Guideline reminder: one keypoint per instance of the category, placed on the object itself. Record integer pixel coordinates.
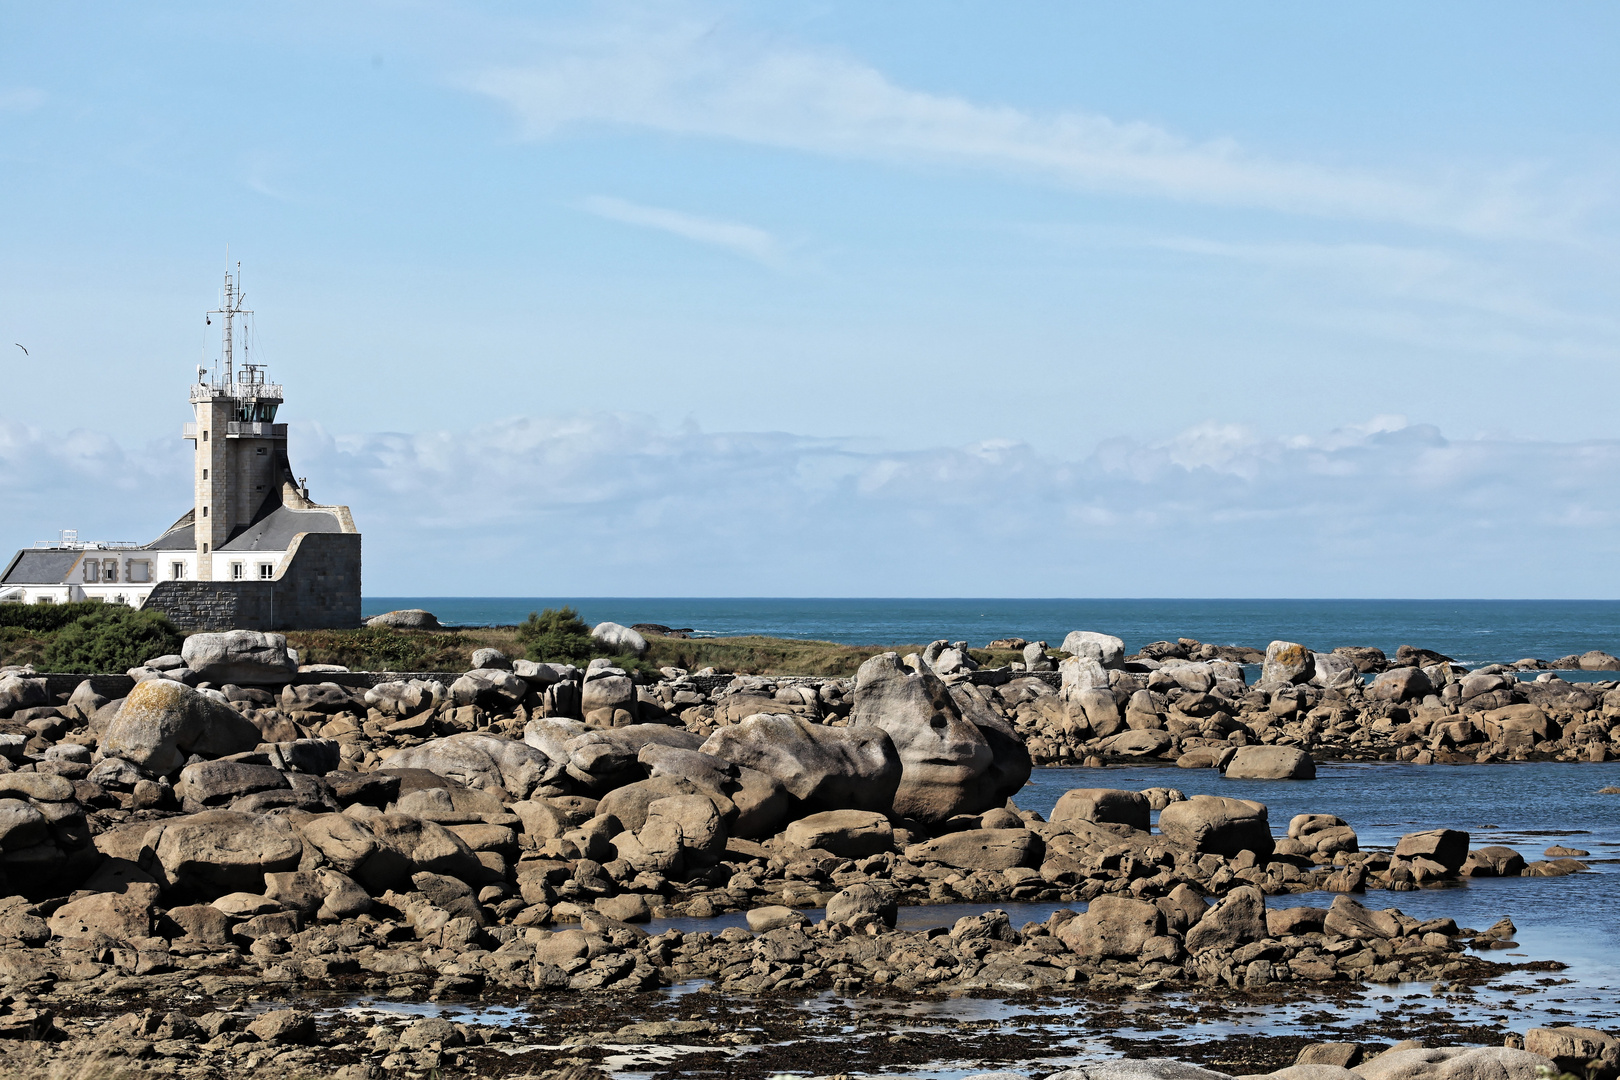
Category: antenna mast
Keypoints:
(231, 308)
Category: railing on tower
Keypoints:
(259, 391)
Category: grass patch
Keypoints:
(383, 649)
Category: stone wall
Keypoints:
(317, 588)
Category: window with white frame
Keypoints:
(177, 570)
(92, 571)
(236, 571)
(109, 570)
(139, 572)
(267, 570)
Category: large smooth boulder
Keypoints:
(479, 760)
(1457, 1063)
(608, 757)
(218, 783)
(21, 692)
(221, 851)
(1347, 918)
(124, 915)
(1574, 1048)
(1113, 926)
(1400, 684)
(1270, 763)
(1218, 825)
(619, 640)
(1106, 649)
(1287, 663)
(630, 804)
(163, 722)
(942, 754)
(1237, 920)
(491, 687)
(826, 768)
(1448, 847)
(405, 619)
(861, 899)
(243, 657)
(1323, 833)
(608, 699)
(406, 846)
(1106, 806)
(762, 804)
(689, 824)
(851, 834)
(980, 849)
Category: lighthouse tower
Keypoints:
(241, 452)
(253, 552)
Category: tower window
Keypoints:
(236, 571)
(205, 511)
(205, 474)
(205, 436)
(267, 571)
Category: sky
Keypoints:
(839, 299)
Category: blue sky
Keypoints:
(774, 299)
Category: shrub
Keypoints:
(109, 638)
(557, 636)
(44, 618)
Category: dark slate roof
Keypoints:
(275, 531)
(181, 538)
(40, 567)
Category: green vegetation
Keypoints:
(557, 636)
(382, 649)
(93, 636)
(46, 618)
(110, 637)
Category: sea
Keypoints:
(1471, 632)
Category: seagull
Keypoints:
(25, 351)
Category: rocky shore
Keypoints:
(238, 829)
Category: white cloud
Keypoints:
(745, 240)
(613, 504)
(706, 78)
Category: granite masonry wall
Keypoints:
(318, 588)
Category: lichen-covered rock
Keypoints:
(163, 722)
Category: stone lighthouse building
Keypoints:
(253, 552)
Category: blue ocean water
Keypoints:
(1473, 632)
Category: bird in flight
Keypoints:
(25, 351)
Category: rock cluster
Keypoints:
(1191, 703)
(510, 830)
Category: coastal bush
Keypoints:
(47, 618)
(107, 638)
(557, 636)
